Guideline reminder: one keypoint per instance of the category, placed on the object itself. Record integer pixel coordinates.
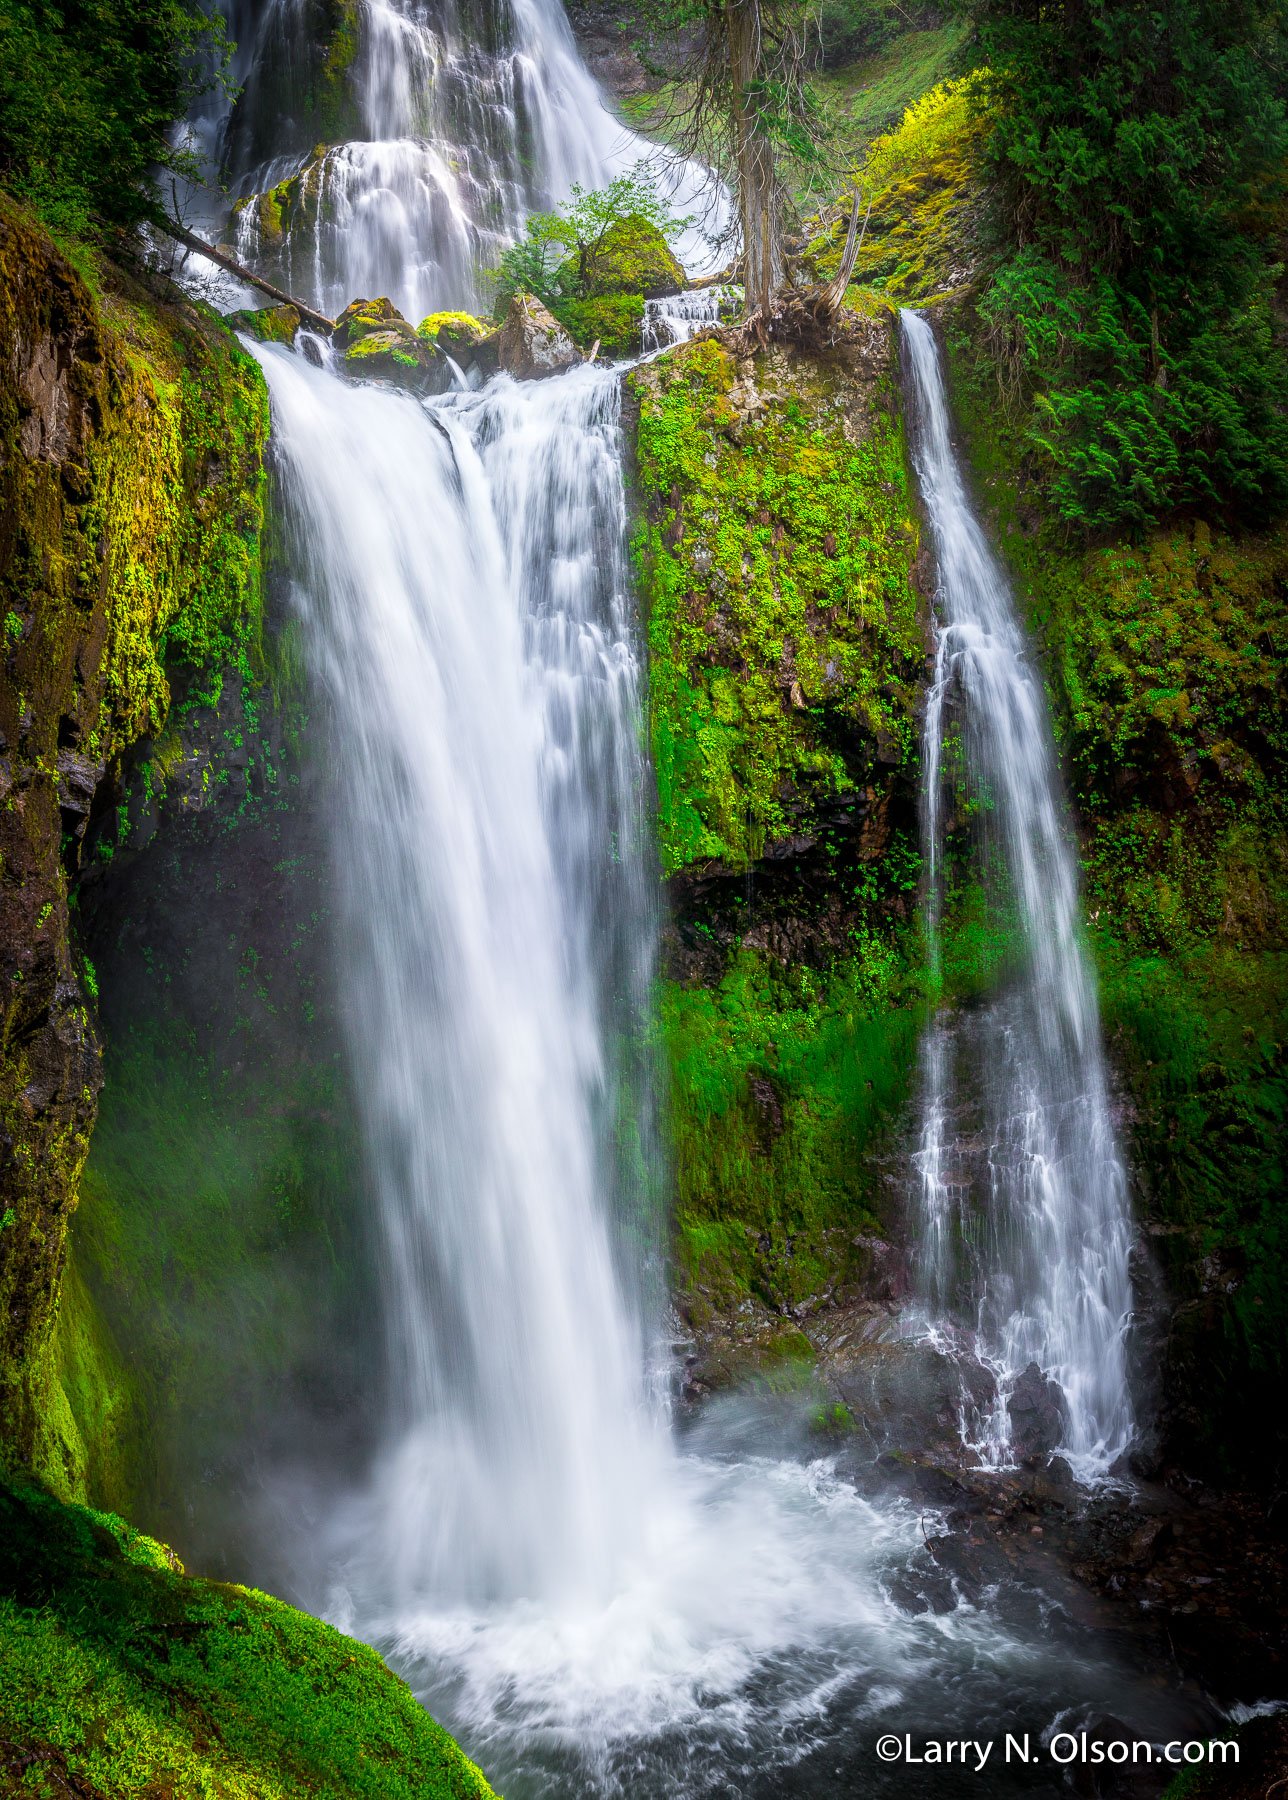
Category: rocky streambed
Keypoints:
(1189, 1577)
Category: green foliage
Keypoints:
(1138, 157)
(560, 253)
(88, 92)
(918, 180)
(123, 1676)
(776, 557)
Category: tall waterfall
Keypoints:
(461, 581)
(1032, 1236)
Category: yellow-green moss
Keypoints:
(921, 180)
(776, 554)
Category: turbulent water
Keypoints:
(1025, 1229)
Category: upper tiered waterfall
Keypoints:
(400, 155)
(1025, 1226)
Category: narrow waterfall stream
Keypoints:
(1025, 1229)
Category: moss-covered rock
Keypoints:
(362, 318)
(131, 492)
(777, 545)
(125, 1677)
(921, 233)
(632, 257)
(269, 324)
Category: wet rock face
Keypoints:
(116, 500)
(533, 343)
(1036, 1409)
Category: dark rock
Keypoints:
(1036, 1409)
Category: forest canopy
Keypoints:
(89, 91)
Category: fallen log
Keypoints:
(182, 235)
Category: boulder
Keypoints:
(270, 324)
(361, 318)
(533, 342)
(396, 356)
(632, 258)
(467, 340)
(1036, 1409)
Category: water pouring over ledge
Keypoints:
(594, 1608)
(1027, 1243)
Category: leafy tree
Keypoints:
(1138, 155)
(89, 92)
(555, 257)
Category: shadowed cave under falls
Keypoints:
(595, 1599)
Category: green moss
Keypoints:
(921, 179)
(781, 1083)
(615, 322)
(127, 1676)
(871, 96)
(632, 258)
(270, 324)
(461, 327)
(775, 554)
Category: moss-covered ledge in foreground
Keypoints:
(124, 1677)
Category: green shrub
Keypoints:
(88, 92)
(1139, 161)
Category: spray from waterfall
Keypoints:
(1028, 1241)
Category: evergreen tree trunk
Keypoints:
(757, 184)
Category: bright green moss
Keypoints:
(125, 1675)
(614, 321)
(781, 1082)
(461, 326)
(921, 180)
(632, 258)
(775, 553)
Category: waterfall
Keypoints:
(461, 582)
(457, 123)
(594, 1608)
(1026, 1229)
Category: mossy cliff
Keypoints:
(777, 546)
(132, 502)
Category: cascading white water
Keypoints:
(463, 122)
(674, 318)
(464, 601)
(1043, 1253)
(593, 1609)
